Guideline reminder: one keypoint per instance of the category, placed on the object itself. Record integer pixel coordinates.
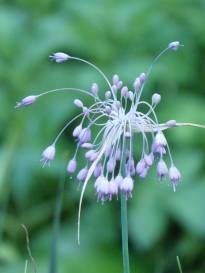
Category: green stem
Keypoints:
(124, 230)
(124, 225)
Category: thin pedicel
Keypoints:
(120, 122)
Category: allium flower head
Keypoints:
(117, 113)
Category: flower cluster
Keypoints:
(109, 155)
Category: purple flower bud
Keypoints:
(60, 57)
(171, 123)
(119, 180)
(142, 78)
(94, 88)
(88, 154)
(124, 91)
(111, 165)
(71, 167)
(160, 139)
(93, 156)
(119, 84)
(77, 131)
(174, 45)
(131, 167)
(107, 94)
(87, 145)
(48, 155)
(78, 103)
(115, 79)
(149, 159)
(98, 170)
(130, 95)
(156, 98)
(102, 188)
(158, 149)
(127, 185)
(141, 165)
(137, 84)
(144, 173)
(26, 101)
(82, 174)
(85, 135)
(114, 88)
(162, 169)
(174, 175)
(113, 188)
(117, 155)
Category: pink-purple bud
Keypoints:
(171, 123)
(88, 154)
(149, 159)
(119, 180)
(86, 111)
(175, 176)
(85, 135)
(78, 103)
(111, 165)
(108, 109)
(115, 79)
(118, 155)
(77, 130)
(26, 101)
(160, 139)
(137, 84)
(94, 88)
(82, 174)
(174, 45)
(71, 167)
(113, 188)
(127, 185)
(156, 98)
(130, 95)
(162, 169)
(98, 170)
(102, 188)
(87, 145)
(142, 78)
(124, 91)
(60, 57)
(144, 173)
(141, 165)
(48, 155)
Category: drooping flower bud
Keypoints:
(71, 167)
(174, 175)
(130, 95)
(78, 103)
(162, 169)
(26, 101)
(149, 159)
(113, 188)
(108, 109)
(77, 130)
(174, 45)
(87, 145)
(127, 185)
(85, 135)
(118, 155)
(111, 165)
(48, 155)
(98, 170)
(82, 174)
(160, 139)
(156, 98)
(144, 173)
(119, 180)
(141, 165)
(59, 57)
(102, 188)
(94, 89)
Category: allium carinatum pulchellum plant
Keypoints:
(120, 122)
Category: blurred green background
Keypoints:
(120, 37)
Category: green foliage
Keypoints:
(120, 37)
